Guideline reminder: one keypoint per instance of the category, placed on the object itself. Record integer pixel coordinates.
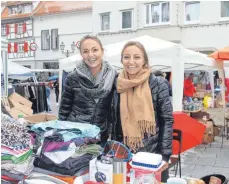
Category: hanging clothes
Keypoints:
(64, 76)
(34, 93)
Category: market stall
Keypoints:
(177, 59)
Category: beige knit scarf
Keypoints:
(136, 108)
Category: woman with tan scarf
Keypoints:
(142, 110)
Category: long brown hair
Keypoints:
(141, 47)
(95, 38)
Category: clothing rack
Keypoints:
(34, 92)
(29, 83)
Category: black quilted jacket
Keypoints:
(77, 107)
(161, 142)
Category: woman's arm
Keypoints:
(165, 120)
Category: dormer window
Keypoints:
(21, 8)
(27, 8)
(12, 10)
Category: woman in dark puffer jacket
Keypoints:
(142, 110)
(87, 94)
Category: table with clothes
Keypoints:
(54, 151)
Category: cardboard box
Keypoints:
(43, 117)
(218, 104)
(20, 99)
(24, 109)
(216, 130)
(15, 112)
(200, 94)
(209, 133)
(14, 108)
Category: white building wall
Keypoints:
(71, 27)
(209, 34)
(139, 28)
(114, 8)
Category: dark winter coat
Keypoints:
(161, 142)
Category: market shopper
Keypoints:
(56, 86)
(189, 88)
(87, 94)
(48, 93)
(159, 73)
(142, 111)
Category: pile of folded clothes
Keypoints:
(16, 151)
(64, 149)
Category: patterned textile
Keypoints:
(102, 83)
(14, 150)
(13, 134)
(7, 118)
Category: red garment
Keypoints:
(227, 91)
(189, 88)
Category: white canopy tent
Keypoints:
(163, 55)
(16, 71)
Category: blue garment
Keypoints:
(47, 92)
(69, 130)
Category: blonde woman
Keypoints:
(142, 110)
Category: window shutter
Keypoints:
(24, 27)
(26, 48)
(15, 47)
(7, 29)
(16, 28)
(9, 47)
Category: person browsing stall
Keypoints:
(87, 95)
(142, 111)
(189, 88)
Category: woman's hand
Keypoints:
(164, 167)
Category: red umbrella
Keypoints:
(222, 54)
(192, 131)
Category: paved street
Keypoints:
(54, 107)
(206, 159)
(197, 162)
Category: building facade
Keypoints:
(56, 22)
(192, 24)
(36, 29)
(17, 28)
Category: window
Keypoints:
(51, 65)
(157, 13)
(224, 9)
(127, 19)
(13, 10)
(21, 47)
(54, 39)
(192, 12)
(4, 30)
(105, 22)
(45, 41)
(27, 9)
(20, 28)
